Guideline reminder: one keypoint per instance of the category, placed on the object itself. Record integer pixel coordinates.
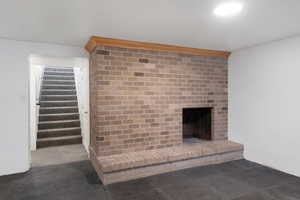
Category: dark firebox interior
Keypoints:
(197, 123)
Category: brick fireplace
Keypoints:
(145, 100)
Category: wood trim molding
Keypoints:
(101, 41)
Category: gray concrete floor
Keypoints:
(238, 180)
(58, 155)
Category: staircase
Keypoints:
(59, 122)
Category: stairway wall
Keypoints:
(14, 99)
(36, 73)
(83, 94)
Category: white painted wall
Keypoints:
(81, 71)
(264, 103)
(36, 73)
(14, 99)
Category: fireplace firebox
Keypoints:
(197, 123)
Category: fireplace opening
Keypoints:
(197, 124)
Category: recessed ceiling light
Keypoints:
(228, 9)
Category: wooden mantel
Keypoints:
(101, 41)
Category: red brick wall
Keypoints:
(137, 97)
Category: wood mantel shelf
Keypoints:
(101, 41)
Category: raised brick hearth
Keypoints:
(128, 166)
(137, 102)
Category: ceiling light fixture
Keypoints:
(228, 9)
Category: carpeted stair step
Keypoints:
(58, 97)
(59, 69)
(58, 87)
(58, 77)
(58, 82)
(58, 73)
(58, 124)
(58, 141)
(58, 103)
(59, 132)
(59, 121)
(56, 117)
(57, 110)
(58, 92)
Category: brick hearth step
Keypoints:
(124, 167)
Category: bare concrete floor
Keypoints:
(58, 155)
(237, 180)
